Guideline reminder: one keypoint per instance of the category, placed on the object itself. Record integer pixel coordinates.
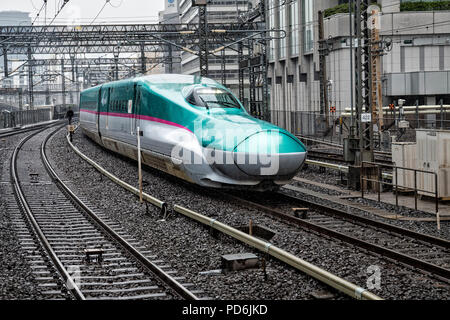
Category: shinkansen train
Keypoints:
(193, 128)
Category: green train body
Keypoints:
(193, 128)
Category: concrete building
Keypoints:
(417, 68)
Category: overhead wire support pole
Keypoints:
(241, 72)
(30, 78)
(363, 84)
(170, 59)
(323, 52)
(203, 36)
(143, 66)
(204, 50)
(352, 106)
(223, 67)
(5, 61)
(116, 66)
(72, 61)
(265, 64)
(63, 84)
(375, 55)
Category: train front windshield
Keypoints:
(213, 98)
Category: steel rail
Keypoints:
(324, 276)
(145, 262)
(71, 285)
(24, 130)
(339, 157)
(417, 263)
(367, 221)
(339, 167)
(340, 146)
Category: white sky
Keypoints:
(84, 11)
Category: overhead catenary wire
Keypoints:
(103, 7)
(59, 10)
(39, 12)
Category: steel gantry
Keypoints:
(203, 40)
(359, 145)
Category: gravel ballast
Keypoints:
(191, 249)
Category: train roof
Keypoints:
(176, 79)
(161, 79)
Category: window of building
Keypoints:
(271, 10)
(294, 43)
(283, 26)
(308, 26)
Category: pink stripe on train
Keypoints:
(141, 117)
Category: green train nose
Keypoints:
(270, 142)
(269, 153)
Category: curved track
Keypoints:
(69, 231)
(25, 130)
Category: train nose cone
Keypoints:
(269, 153)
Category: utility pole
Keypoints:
(358, 146)
(241, 71)
(323, 52)
(223, 67)
(143, 67)
(63, 84)
(363, 84)
(170, 58)
(30, 79)
(72, 61)
(5, 61)
(116, 66)
(77, 83)
(264, 63)
(252, 81)
(376, 53)
(203, 35)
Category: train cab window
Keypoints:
(212, 98)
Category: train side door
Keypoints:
(137, 108)
(99, 107)
(103, 109)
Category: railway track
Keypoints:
(421, 251)
(338, 157)
(93, 256)
(24, 130)
(312, 270)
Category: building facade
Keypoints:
(415, 66)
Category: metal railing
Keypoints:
(380, 182)
(313, 125)
(21, 118)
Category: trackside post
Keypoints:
(139, 163)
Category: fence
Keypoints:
(313, 125)
(21, 118)
(415, 187)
